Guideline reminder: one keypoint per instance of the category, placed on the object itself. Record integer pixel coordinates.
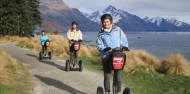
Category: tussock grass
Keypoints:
(11, 38)
(136, 59)
(175, 64)
(14, 79)
(7, 67)
(59, 46)
(140, 58)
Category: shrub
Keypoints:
(175, 64)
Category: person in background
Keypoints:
(110, 37)
(43, 39)
(74, 34)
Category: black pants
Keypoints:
(107, 74)
(44, 48)
(71, 48)
(73, 53)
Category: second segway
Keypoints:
(45, 54)
(73, 63)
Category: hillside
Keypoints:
(57, 11)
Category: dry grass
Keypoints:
(7, 68)
(140, 58)
(175, 64)
(13, 74)
(59, 46)
(11, 38)
(135, 58)
(11, 70)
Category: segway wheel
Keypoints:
(40, 55)
(50, 55)
(67, 65)
(127, 91)
(100, 90)
(80, 66)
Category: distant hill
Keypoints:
(57, 11)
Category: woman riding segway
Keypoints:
(45, 42)
(110, 37)
(74, 36)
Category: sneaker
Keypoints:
(118, 93)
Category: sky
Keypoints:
(178, 9)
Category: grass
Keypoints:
(138, 58)
(14, 79)
(143, 72)
(175, 64)
(155, 83)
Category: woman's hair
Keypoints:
(43, 31)
(74, 23)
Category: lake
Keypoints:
(159, 44)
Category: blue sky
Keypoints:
(179, 9)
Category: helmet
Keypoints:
(43, 31)
(74, 23)
(106, 16)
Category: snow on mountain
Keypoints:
(95, 17)
(85, 14)
(110, 10)
(154, 20)
(176, 22)
(159, 21)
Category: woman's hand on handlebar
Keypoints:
(125, 49)
(108, 49)
(80, 40)
(72, 40)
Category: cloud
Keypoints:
(169, 8)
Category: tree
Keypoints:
(18, 17)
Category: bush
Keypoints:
(175, 64)
(140, 58)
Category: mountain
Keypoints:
(168, 24)
(57, 11)
(123, 19)
(132, 22)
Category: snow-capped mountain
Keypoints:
(122, 18)
(95, 17)
(85, 14)
(154, 20)
(132, 22)
(159, 20)
(110, 9)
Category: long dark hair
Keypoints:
(74, 23)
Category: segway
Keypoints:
(117, 63)
(46, 54)
(73, 62)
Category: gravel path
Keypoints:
(49, 76)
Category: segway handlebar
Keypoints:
(118, 49)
